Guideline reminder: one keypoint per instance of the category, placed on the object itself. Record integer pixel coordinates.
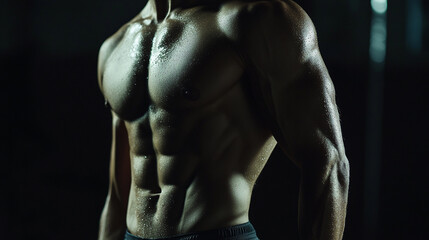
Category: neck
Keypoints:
(161, 9)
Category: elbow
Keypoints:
(329, 164)
(337, 168)
(338, 164)
(338, 173)
(343, 170)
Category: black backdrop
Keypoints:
(56, 131)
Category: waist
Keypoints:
(244, 231)
(201, 205)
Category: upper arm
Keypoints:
(120, 170)
(296, 87)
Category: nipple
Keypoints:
(106, 104)
(190, 94)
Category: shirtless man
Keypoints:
(201, 91)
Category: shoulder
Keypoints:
(281, 24)
(108, 46)
(264, 12)
(111, 42)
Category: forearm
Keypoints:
(113, 220)
(323, 201)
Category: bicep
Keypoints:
(297, 89)
(306, 114)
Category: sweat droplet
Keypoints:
(190, 94)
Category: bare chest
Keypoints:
(173, 66)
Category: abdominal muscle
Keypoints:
(207, 201)
(182, 209)
(199, 171)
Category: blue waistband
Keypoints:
(243, 231)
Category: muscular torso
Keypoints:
(197, 141)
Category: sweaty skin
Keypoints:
(200, 93)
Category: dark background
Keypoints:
(56, 131)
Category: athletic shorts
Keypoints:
(243, 231)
